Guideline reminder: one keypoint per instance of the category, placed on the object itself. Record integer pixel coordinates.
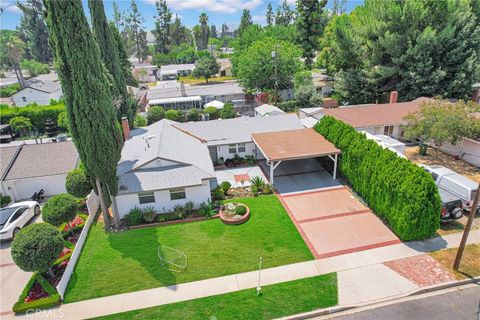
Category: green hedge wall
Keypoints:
(396, 189)
(37, 114)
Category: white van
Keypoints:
(454, 183)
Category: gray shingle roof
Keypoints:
(6, 156)
(239, 130)
(44, 85)
(38, 160)
(187, 159)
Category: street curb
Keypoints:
(336, 309)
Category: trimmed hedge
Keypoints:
(396, 189)
(53, 300)
(37, 114)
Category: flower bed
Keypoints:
(77, 224)
(234, 213)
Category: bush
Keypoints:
(35, 68)
(149, 214)
(227, 112)
(77, 183)
(212, 112)
(206, 209)
(218, 194)
(240, 210)
(4, 200)
(258, 182)
(225, 186)
(38, 115)
(193, 115)
(139, 121)
(174, 115)
(189, 207)
(267, 189)
(43, 303)
(155, 114)
(60, 209)
(62, 121)
(21, 124)
(179, 211)
(134, 216)
(9, 90)
(288, 106)
(396, 189)
(36, 247)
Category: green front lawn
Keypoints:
(113, 263)
(277, 300)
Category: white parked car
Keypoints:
(16, 216)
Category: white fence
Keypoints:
(92, 206)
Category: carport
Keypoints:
(296, 144)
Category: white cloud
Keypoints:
(10, 7)
(261, 19)
(222, 6)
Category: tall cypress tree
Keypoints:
(110, 57)
(95, 131)
(245, 21)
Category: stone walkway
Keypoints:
(362, 277)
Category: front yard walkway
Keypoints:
(361, 272)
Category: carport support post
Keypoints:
(273, 166)
(335, 167)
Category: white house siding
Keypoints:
(222, 151)
(196, 194)
(467, 149)
(397, 130)
(21, 189)
(32, 95)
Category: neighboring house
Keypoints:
(467, 149)
(144, 72)
(37, 91)
(162, 166)
(184, 97)
(387, 142)
(267, 110)
(225, 68)
(30, 167)
(323, 83)
(172, 71)
(228, 137)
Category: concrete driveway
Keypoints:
(12, 279)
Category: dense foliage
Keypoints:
(37, 114)
(9, 90)
(206, 67)
(60, 209)
(420, 48)
(397, 190)
(154, 114)
(77, 183)
(35, 68)
(36, 247)
(310, 21)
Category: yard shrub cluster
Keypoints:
(78, 183)
(396, 189)
(37, 114)
(9, 90)
(259, 186)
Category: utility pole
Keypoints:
(468, 226)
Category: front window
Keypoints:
(24, 99)
(232, 148)
(146, 197)
(388, 130)
(177, 194)
(241, 147)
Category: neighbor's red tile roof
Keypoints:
(372, 115)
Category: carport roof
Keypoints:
(293, 144)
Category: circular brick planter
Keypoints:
(232, 221)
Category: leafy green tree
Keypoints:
(35, 68)
(33, 31)
(136, 35)
(205, 68)
(36, 247)
(62, 121)
(78, 183)
(21, 124)
(117, 15)
(201, 32)
(193, 115)
(122, 55)
(60, 209)
(284, 15)
(139, 121)
(213, 31)
(245, 21)
(179, 34)
(111, 59)
(227, 112)
(174, 115)
(94, 128)
(154, 114)
(212, 112)
(162, 27)
(305, 92)
(225, 34)
(269, 15)
(311, 19)
(438, 122)
(12, 50)
(255, 66)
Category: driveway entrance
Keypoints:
(333, 222)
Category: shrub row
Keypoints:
(396, 189)
(52, 300)
(37, 114)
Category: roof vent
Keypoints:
(123, 187)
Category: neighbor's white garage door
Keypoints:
(22, 189)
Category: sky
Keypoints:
(218, 11)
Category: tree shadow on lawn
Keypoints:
(142, 246)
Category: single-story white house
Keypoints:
(37, 91)
(172, 71)
(267, 110)
(27, 168)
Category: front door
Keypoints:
(213, 154)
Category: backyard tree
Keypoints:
(227, 112)
(163, 23)
(62, 121)
(93, 126)
(139, 121)
(257, 69)
(306, 94)
(134, 29)
(111, 59)
(21, 124)
(155, 113)
(438, 122)
(311, 19)
(60, 209)
(36, 247)
(212, 112)
(206, 67)
(245, 21)
(193, 115)
(78, 183)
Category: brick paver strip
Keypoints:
(241, 177)
(422, 270)
(337, 215)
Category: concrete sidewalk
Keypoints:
(362, 277)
